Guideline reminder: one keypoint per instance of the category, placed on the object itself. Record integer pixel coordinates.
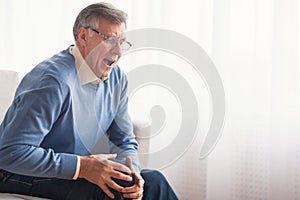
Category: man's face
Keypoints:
(100, 53)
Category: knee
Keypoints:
(156, 186)
(153, 176)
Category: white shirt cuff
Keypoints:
(77, 168)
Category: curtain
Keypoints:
(254, 45)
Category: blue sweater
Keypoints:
(53, 119)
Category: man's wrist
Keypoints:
(77, 168)
(83, 160)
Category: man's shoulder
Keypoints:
(61, 65)
(59, 69)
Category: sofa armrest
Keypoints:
(142, 131)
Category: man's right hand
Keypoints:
(100, 169)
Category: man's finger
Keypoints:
(104, 156)
(134, 195)
(119, 167)
(121, 176)
(107, 191)
(112, 184)
(140, 181)
(129, 163)
(131, 189)
(110, 156)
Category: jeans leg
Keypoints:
(59, 189)
(11, 183)
(51, 188)
(156, 186)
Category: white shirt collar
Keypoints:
(85, 74)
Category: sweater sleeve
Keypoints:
(27, 122)
(120, 132)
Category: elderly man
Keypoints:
(67, 134)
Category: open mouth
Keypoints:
(108, 62)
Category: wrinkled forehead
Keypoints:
(112, 29)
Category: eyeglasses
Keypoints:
(112, 41)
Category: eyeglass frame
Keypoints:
(108, 38)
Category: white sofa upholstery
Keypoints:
(8, 84)
(9, 81)
(7, 196)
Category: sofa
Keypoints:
(9, 81)
(8, 84)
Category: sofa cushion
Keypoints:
(7, 196)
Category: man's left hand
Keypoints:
(134, 192)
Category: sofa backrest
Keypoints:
(9, 81)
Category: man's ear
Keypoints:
(82, 36)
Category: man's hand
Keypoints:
(134, 192)
(100, 169)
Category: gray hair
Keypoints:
(90, 15)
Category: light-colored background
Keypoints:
(255, 47)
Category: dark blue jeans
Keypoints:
(156, 187)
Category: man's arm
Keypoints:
(28, 120)
(120, 132)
